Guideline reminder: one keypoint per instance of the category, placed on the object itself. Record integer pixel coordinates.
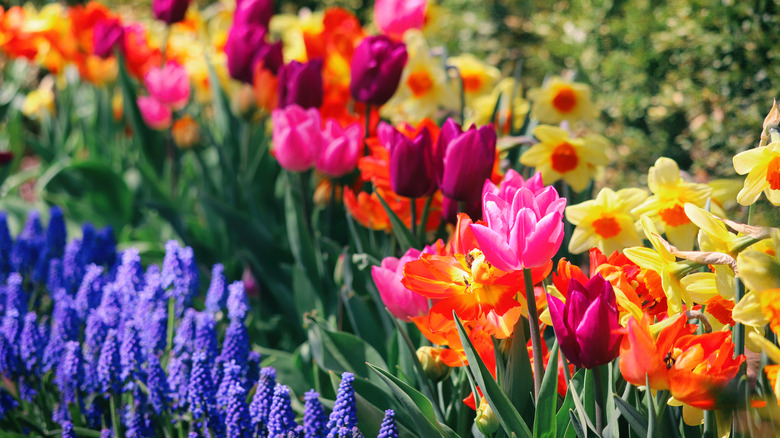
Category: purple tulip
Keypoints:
(376, 68)
(245, 47)
(256, 12)
(301, 84)
(411, 161)
(586, 324)
(170, 11)
(465, 160)
(107, 34)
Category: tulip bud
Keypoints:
(486, 419)
(186, 132)
(376, 69)
(155, 114)
(340, 148)
(170, 85)
(465, 160)
(170, 11)
(411, 161)
(301, 84)
(297, 137)
(245, 47)
(107, 34)
(432, 365)
(256, 12)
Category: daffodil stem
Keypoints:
(751, 209)
(536, 338)
(599, 399)
(739, 329)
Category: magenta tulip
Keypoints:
(107, 35)
(170, 85)
(297, 137)
(376, 69)
(395, 17)
(401, 302)
(245, 47)
(155, 114)
(257, 12)
(464, 160)
(170, 11)
(411, 161)
(301, 84)
(340, 148)
(587, 324)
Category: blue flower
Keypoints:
(388, 429)
(260, 407)
(215, 297)
(314, 418)
(344, 413)
(237, 303)
(108, 366)
(237, 413)
(31, 343)
(157, 385)
(281, 419)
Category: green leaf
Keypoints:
(576, 425)
(544, 420)
(636, 420)
(519, 382)
(404, 235)
(507, 414)
(301, 241)
(562, 418)
(339, 352)
(581, 411)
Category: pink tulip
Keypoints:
(297, 137)
(394, 17)
(155, 114)
(524, 229)
(170, 85)
(340, 148)
(401, 302)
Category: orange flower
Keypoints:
(366, 209)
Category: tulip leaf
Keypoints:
(575, 423)
(415, 404)
(636, 420)
(404, 235)
(562, 419)
(583, 414)
(339, 352)
(510, 419)
(544, 420)
(519, 383)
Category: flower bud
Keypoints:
(155, 114)
(465, 160)
(486, 419)
(297, 137)
(245, 47)
(301, 84)
(107, 34)
(257, 12)
(340, 148)
(432, 365)
(411, 161)
(170, 11)
(170, 85)
(376, 69)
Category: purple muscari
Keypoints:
(186, 286)
(178, 379)
(108, 366)
(314, 418)
(345, 432)
(65, 327)
(105, 247)
(26, 392)
(71, 266)
(261, 402)
(157, 385)
(237, 303)
(153, 332)
(130, 355)
(6, 246)
(206, 338)
(388, 429)
(87, 247)
(67, 430)
(29, 244)
(129, 278)
(111, 305)
(252, 369)
(70, 372)
(237, 413)
(15, 297)
(231, 373)
(94, 333)
(344, 413)
(137, 421)
(55, 233)
(11, 330)
(7, 403)
(215, 297)
(90, 291)
(171, 267)
(61, 413)
(200, 392)
(235, 347)
(106, 433)
(8, 360)
(185, 333)
(54, 278)
(281, 418)
(30, 344)
(94, 414)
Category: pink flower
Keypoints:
(524, 224)
(340, 148)
(170, 85)
(402, 302)
(394, 17)
(297, 137)
(155, 114)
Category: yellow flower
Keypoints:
(292, 29)
(481, 108)
(424, 87)
(478, 77)
(38, 102)
(759, 266)
(665, 206)
(665, 264)
(562, 100)
(605, 222)
(558, 156)
(762, 166)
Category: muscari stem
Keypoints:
(536, 339)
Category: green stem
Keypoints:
(536, 339)
(413, 214)
(367, 152)
(600, 408)
(303, 187)
(751, 209)
(424, 218)
(171, 321)
(566, 371)
(114, 420)
(739, 329)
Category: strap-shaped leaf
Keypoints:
(402, 233)
(544, 420)
(636, 420)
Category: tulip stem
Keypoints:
(565, 363)
(413, 214)
(367, 152)
(536, 339)
(599, 399)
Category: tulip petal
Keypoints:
(495, 248)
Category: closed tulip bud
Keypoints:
(411, 161)
(245, 47)
(586, 325)
(107, 34)
(257, 12)
(432, 365)
(340, 148)
(465, 160)
(297, 137)
(376, 69)
(170, 11)
(170, 85)
(486, 419)
(301, 84)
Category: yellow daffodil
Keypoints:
(665, 206)
(605, 222)
(759, 266)
(562, 100)
(424, 87)
(292, 28)
(38, 102)
(478, 77)
(762, 166)
(664, 263)
(480, 109)
(559, 156)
